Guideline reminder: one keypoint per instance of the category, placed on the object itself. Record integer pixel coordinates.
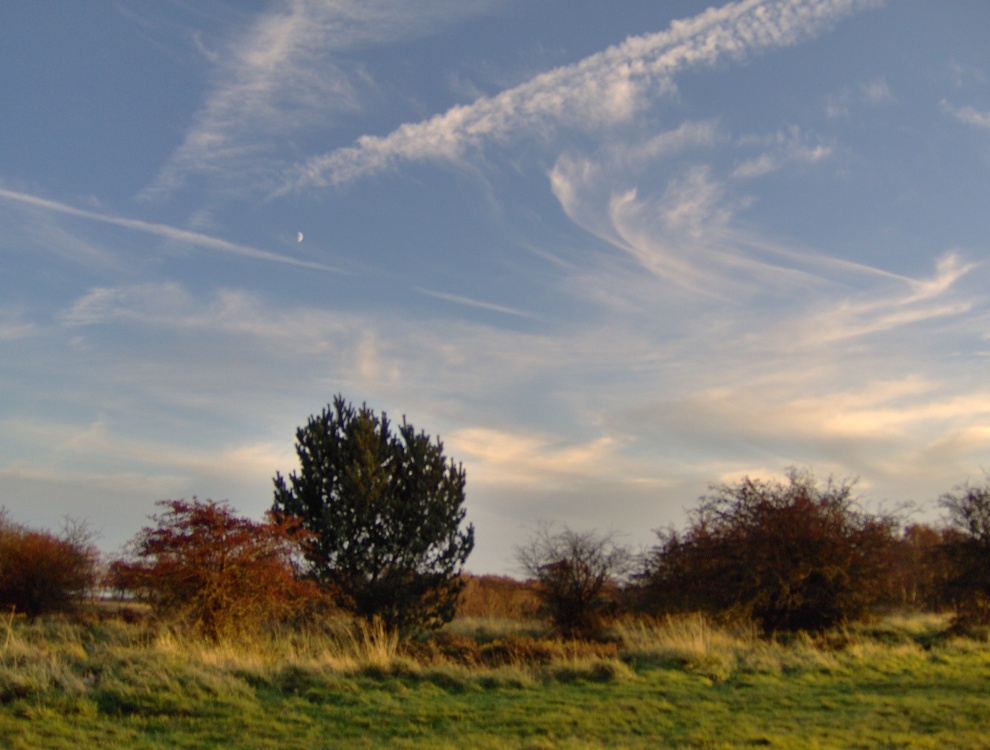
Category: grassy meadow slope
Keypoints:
(490, 683)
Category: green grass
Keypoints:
(679, 683)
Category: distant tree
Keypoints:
(968, 551)
(43, 573)
(921, 569)
(574, 572)
(216, 572)
(385, 512)
(794, 556)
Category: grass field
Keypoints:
(493, 684)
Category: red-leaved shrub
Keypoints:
(215, 572)
(41, 572)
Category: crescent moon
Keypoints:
(299, 237)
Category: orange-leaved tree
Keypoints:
(41, 572)
(220, 574)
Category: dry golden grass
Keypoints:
(341, 647)
(72, 657)
(648, 683)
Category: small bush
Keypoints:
(576, 575)
(219, 574)
(43, 573)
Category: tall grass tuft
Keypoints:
(374, 645)
(690, 641)
(141, 668)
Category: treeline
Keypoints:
(372, 524)
(794, 555)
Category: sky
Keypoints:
(609, 253)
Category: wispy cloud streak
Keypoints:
(461, 300)
(283, 75)
(602, 90)
(914, 301)
(196, 239)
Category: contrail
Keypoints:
(164, 230)
(602, 90)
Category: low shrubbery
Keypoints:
(577, 575)
(498, 597)
(788, 556)
(215, 573)
(42, 572)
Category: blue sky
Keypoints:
(609, 252)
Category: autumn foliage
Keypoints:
(215, 572)
(789, 556)
(41, 572)
(498, 597)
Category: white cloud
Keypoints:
(969, 115)
(600, 91)
(104, 472)
(285, 75)
(877, 91)
(873, 92)
(686, 231)
(499, 457)
(962, 74)
(783, 149)
(32, 226)
(13, 326)
(902, 303)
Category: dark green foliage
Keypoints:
(385, 511)
(967, 546)
(795, 556)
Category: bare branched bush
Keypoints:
(576, 572)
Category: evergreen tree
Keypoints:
(385, 511)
